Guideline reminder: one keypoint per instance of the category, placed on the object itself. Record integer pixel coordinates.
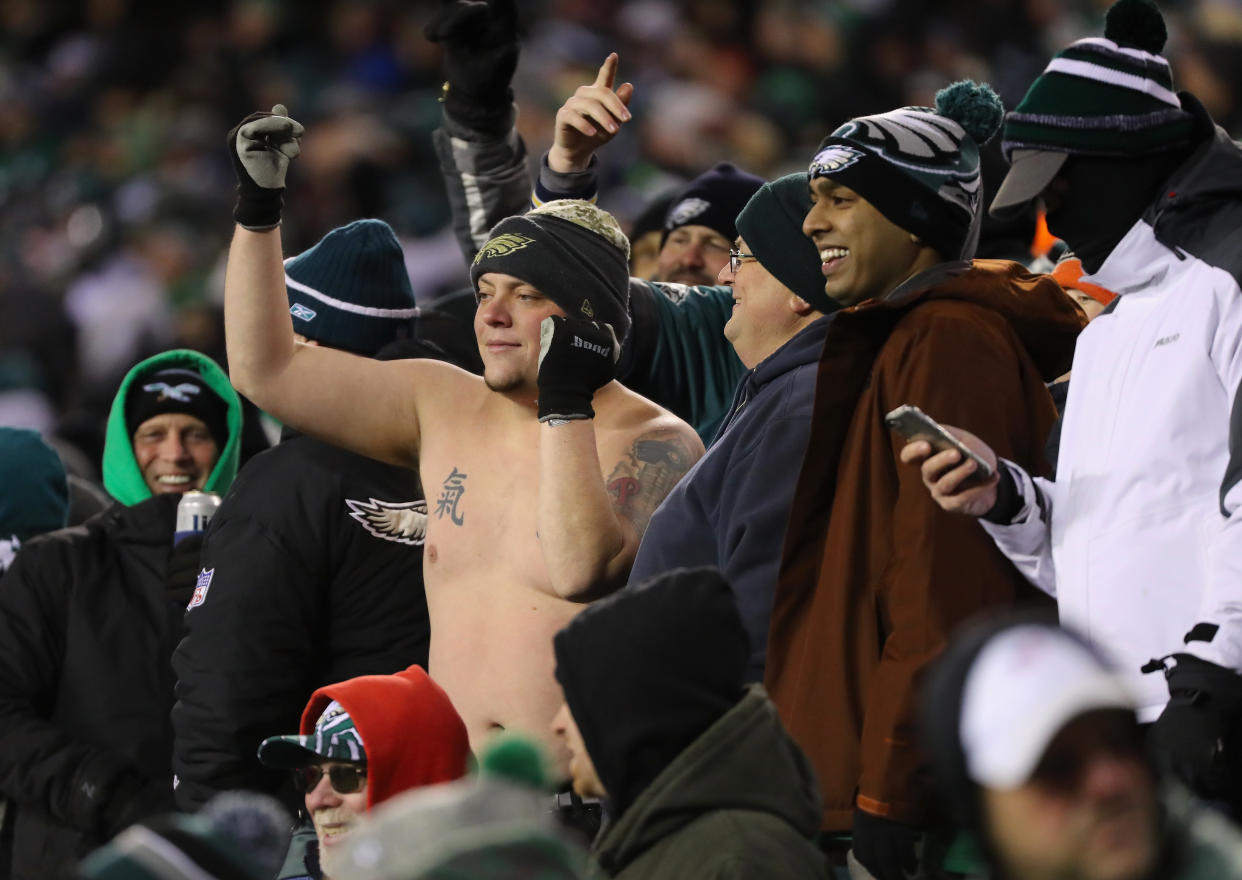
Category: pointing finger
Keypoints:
(607, 71)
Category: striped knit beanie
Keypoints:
(351, 290)
(919, 166)
(1110, 96)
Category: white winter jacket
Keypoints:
(1140, 536)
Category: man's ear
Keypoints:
(799, 306)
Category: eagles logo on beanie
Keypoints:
(176, 390)
(351, 290)
(1101, 97)
(572, 252)
(919, 166)
(713, 199)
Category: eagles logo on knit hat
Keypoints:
(176, 390)
(919, 166)
(335, 738)
(351, 289)
(572, 252)
(713, 199)
(1100, 97)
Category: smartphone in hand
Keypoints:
(914, 424)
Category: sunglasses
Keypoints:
(344, 778)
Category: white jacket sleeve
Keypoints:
(1217, 636)
(1027, 541)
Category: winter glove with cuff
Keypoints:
(887, 849)
(1198, 737)
(480, 55)
(576, 358)
(261, 147)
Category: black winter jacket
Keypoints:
(312, 573)
(86, 627)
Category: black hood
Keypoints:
(647, 670)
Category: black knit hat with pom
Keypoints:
(919, 166)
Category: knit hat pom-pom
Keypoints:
(1136, 24)
(515, 759)
(974, 106)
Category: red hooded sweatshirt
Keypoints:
(411, 733)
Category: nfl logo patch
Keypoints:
(200, 588)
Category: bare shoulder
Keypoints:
(647, 451)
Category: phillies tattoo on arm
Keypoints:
(646, 474)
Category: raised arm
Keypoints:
(354, 402)
(589, 528)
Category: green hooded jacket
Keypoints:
(121, 474)
(739, 802)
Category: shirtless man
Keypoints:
(540, 476)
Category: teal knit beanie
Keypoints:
(351, 290)
(771, 226)
(34, 495)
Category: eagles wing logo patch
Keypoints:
(179, 393)
(401, 523)
(685, 211)
(833, 158)
(503, 245)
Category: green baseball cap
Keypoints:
(336, 738)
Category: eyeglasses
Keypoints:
(344, 778)
(735, 259)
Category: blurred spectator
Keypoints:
(89, 618)
(873, 571)
(363, 741)
(35, 496)
(236, 837)
(493, 825)
(1036, 749)
(699, 776)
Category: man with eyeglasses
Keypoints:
(361, 742)
(730, 510)
(1037, 750)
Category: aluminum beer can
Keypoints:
(194, 512)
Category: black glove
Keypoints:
(261, 147)
(887, 849)
(480, 55)
(134, 798)
(576, 358)
(1198, 737)
(181, 574)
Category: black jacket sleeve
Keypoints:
(41, 764)
(245, 666)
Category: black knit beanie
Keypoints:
(646, 671)
(771, 226)
(176, 390)
(572, 252)
(713, 199)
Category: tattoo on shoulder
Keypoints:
(647, 473)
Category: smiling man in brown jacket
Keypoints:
(874, 575)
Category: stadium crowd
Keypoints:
(640, 440)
